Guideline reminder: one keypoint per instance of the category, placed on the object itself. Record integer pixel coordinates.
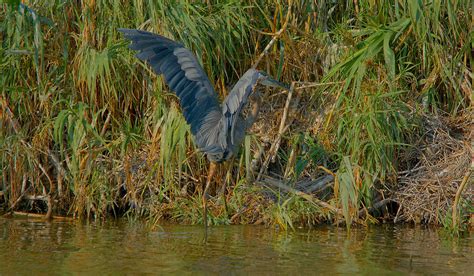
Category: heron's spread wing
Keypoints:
(237, 99)
(184, 76)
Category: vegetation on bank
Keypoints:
(378, 125)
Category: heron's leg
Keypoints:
(210, 174)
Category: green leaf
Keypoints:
(282, 60)
(389, 55)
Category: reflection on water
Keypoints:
(28, 246)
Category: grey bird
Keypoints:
(218, 130)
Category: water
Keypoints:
(38, 247)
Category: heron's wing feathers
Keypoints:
(237, 99)
(183, 75)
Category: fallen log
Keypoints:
(40, 216)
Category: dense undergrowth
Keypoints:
(91, 132)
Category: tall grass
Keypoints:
(87, 124)
(407, 57)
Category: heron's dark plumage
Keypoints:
(216, 128)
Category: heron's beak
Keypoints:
(268, 81)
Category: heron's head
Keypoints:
(265, 79)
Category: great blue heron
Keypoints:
(218, 130)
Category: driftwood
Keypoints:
(305, 188)
(315, 186)
(308, 197)
(41, 216)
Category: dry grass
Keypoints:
(438, 163)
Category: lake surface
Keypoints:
(38, 247)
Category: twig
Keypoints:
(9, 115)
(274, 39)
(47, 176)
(106, 124)
(242, 210)
(60, 170)
(406, 172)
(267, 48)
(316, 84)
(327, 171)
(36, 197)
(400, 206)
(356, 7)
(10, 209)
(49, 203)
(283, 127)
